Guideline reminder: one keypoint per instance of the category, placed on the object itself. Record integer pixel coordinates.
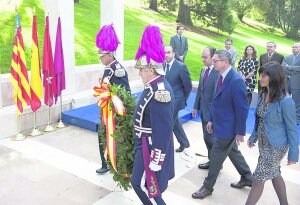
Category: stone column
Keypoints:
(1, 101)
(112, 11)
(64, 9)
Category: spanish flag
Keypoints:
(35, 80)
(18, 71)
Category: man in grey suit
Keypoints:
(203, 101)
(233, 52)
(179, 78)
(179, 44)
(291, 66)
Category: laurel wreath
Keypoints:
(124, 139)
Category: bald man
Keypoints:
(291, 66)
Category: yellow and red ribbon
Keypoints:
(107, 115)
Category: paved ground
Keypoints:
(58, 168)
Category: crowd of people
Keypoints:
(223, 98)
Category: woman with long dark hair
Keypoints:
(276, 132)
(247, 68)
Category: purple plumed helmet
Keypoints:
(107, 39)
(151, 49)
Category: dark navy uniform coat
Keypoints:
(109, 73)
(150, 113)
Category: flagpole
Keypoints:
(35, 131)
(60, 123)
(19, 136)
(49, 127)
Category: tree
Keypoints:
(153, 5)
(184, 14)
(168, 4)
(242, 7)
(76, 1)
(283, 14)
(214, 13)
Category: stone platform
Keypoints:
(59, 168)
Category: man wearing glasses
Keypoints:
(227, 121)
(114, 73)
(233, 52)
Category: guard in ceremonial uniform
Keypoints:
(153, 122)
(114, 73)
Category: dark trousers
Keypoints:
(101, 150)
(136, 179)
(209, 139)
(296, 97)
(179, 131)
(220, 151)
(249, 96)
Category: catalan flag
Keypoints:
(35, 81)
(49, 80)
(18, 71)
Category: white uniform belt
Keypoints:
(142, 129)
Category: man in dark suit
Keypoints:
(179, 44)
(291, 66)
(270, 55)
(179, 78)
(227, 121)
(205, 94)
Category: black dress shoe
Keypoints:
(181, 148)
(242, 183)
(201, 193)
(102, 170)
(204, 166)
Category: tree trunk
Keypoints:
(241, 16)
(153, 5)
(184, 14)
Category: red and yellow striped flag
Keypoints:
(18, 71)
(35, 80)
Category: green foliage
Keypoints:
(124, 139)
(87, 24)
(168, 4)
(283, 14)
(214, 13)
(242, 7)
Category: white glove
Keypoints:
(156, 160)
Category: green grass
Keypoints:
(7, 28)
(87, 24)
